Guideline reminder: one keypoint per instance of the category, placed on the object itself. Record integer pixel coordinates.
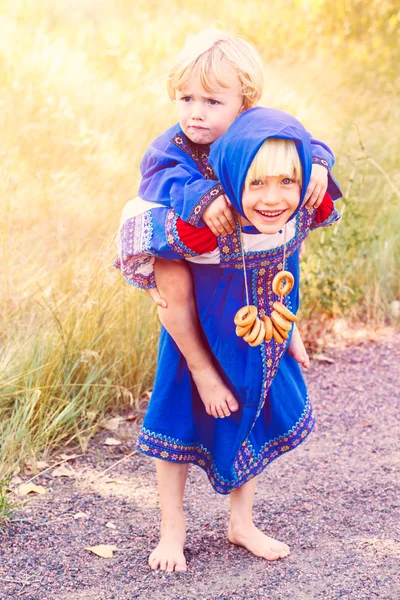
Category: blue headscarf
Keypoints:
(232, 154)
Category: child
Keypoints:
(215, 79)
(264, 164)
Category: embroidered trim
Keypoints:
(135, 236)
(271, 352)
(248, 464)
(320, 161)
(272, 450)
(202, 204)
(173, 238)
(333, 217)
(231, 257)
(197, 152)
(143, 282)
(134, 243)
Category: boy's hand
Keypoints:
(219, 216)
(317, 187)
(154, 294)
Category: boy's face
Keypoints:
(204, 116)
(268, 204)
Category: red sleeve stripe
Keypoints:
(198, 239)
(324, 209)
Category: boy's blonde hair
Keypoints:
(274, 158)
(208, 54)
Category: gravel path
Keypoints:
(333, 500)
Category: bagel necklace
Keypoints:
(254, 330)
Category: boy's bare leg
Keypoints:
(297, 350)
(180, 319)
(168, 555)
(242, 530)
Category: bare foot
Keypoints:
(251, 538)
(297, 350)
(168, 555)
(216, 396)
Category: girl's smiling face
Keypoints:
(272, 188)
(269, 203)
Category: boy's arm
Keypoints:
(322, 155)
(326, 214)
(177, 185)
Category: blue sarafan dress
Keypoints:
(275, 414)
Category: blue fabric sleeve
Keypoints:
(323, 152)
(177, 184)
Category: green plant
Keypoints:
(7, 505)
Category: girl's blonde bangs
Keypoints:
(276, 157)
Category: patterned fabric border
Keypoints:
(231, 256)
(139, 280)
(320, 161)
(271, 450)
(135, 236)
(202, 204)
(197, 152)
(333, 217)
(173, 238)
(248, 462)
(271, 352)
(134, 242)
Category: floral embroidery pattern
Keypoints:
(333, 217)
(134, 250)
(254, 464)
(199, 154)
(173, 238)
(320, 161)
(231, 255)
(247, 463)
(202, 204)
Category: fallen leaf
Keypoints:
(63, 471)
(68, 456)
(132, 417)
(111, 525)
(102, 550)
(16, 480)
(111, 442)
(41, 465)
(30, 488)
(81, 515)
(112, 424)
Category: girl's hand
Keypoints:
(317, 187)
(219, 216)
(154, 294)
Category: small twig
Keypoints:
(386, 176)
(119, 461)
(53, 466)
(20, 581)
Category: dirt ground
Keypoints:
(333, 500)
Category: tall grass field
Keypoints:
(83, 92)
